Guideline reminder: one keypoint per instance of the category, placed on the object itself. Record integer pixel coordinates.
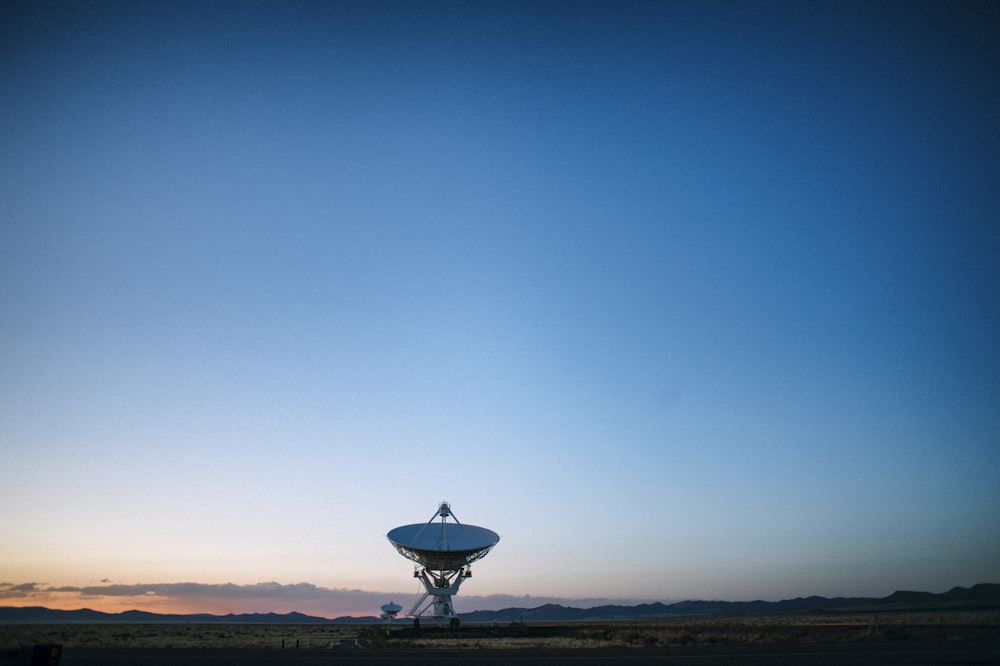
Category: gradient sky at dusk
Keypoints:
(684, 300)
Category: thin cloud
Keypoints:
(502, 601)
(190, 597)
(270, 590)
(265, 597)
(10, 590)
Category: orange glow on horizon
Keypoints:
(176, 606)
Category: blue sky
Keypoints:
(684, 300)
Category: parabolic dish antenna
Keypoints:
(389, 611)
(444, 552)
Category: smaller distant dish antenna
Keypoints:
(444, 552)
(389, 612)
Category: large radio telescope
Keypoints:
(444, 552)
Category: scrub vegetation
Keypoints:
(814, 628)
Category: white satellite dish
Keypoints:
(389, 611)
(444, 552)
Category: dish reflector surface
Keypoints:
(443, 546)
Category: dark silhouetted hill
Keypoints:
(982, 596)
(41, 615)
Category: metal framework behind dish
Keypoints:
(440, 583)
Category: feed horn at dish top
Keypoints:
(443, 550)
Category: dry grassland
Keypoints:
(817, 628)
(177, 635)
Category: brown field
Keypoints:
(800, 629)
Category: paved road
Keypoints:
(862, 654)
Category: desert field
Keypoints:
(688, 631)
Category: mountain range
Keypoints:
(981, 596)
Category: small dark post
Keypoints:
(46, 654)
